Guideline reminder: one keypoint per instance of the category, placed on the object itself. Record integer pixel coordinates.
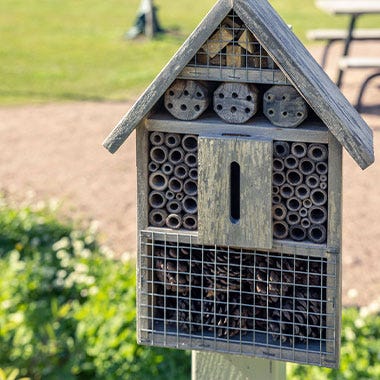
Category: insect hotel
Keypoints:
(239, 166)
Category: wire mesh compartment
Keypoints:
(229, 300)
(300, 191)
(173, 181)
(233, 46)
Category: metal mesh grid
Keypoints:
(233, 46)
(300, 191)
(173, 180)
(236, 301)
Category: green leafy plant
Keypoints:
(67, 307)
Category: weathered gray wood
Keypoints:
(151, 95)
(250, 75)
(284, 107)
(186, 99)
(308, 78)
(236, 102)
(207, 365)
(216, 224)
(258, 126)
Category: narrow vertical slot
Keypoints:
(235, 192)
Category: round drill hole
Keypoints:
(269, 97)
(247, 110)
(271, 112)
(183, 107)
(299, 114)
(221, 96)
(197, 108)
(171, 93)
(198, 95)
(284, 114)
(219, 107)
(186, 93)
(234, 95)
(170, 106)
(284, 97)
(249, 98)
(233, 109)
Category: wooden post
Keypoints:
(208, 365)
(149, 22)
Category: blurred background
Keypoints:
(67, 75)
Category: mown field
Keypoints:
(59, 50)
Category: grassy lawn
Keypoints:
(57, 50)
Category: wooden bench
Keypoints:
(336, 35)
(361, 63)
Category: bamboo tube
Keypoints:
(157, 138)
(306, 166)
(275, 190)
(294, 177)
(317, 215)
(278, 165)
(190, 187)
(153, 167)
(159, 154)
(191, 159)
(291, 162)
(323, 185)
(174, 207)
(318, 197)
(323, 178)
(174, 221)
(181, 171)
(293, 204)
(193, 173)
(279, 212)
(278, 178)
(302, 191)
(190, 143)
(158, 181)
(280, 230)
(312, 181)
(303, 212)
(176, 155)
(286, 191)
(172, 140)
(321, 168)
(276, 199)
(190, 205)
(157, 217)
(307, 203)
(157, 199)
(179, 196)
(169, 195)
(297, 232)
(317, 233)
(281, 149)
(167, 168)
(299, 149)
(305, 223)
(190, 222)
(293, 218)
(317, 152)
(175, 185)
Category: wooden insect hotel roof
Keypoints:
(290, 55)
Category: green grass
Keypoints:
(57, 50)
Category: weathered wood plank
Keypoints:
(224, 220)
(260, 127)
(308, 78)
(210, 365)
(151, 95)
(220, 39)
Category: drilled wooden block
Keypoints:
(235, 102)
(284, 107)
(246, 41)
(186, 99)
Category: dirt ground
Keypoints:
(54, 151)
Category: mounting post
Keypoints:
(208, 365)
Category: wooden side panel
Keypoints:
(253, 228)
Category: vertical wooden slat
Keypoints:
(254, 229)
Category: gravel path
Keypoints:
(54, 151)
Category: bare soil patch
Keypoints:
(54, 151)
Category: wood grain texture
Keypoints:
(308, 78)
(153, 93)
(207, 365)
(234, 56)
(246, 41)
(217, 41)
(216, 225)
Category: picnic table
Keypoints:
(354, 9)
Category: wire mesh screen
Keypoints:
(233, 46)
(229, 300)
